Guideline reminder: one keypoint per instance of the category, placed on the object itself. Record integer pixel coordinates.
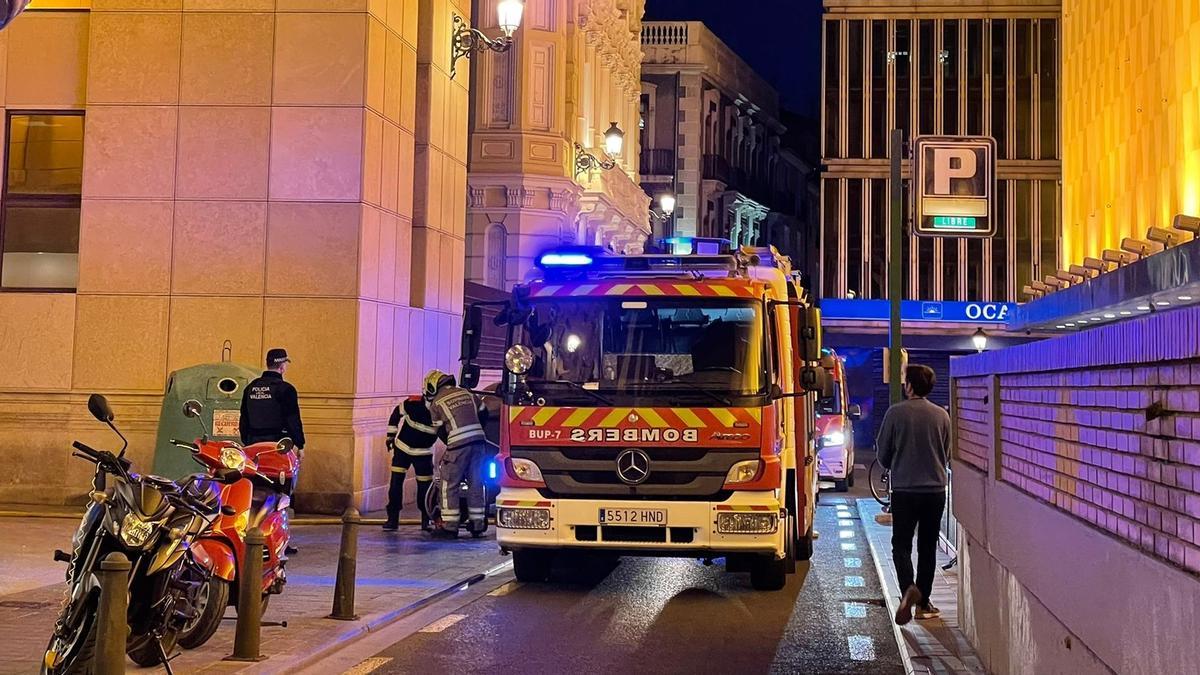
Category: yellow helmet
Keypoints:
(436, 379)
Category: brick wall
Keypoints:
(1073, 428)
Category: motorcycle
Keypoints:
(259, 499)
(151, 520)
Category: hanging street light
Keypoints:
(979, 339)
(614, 139)
(466, 41)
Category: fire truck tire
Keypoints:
(804, 546)
(768, 574)
(532, 565)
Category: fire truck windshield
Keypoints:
(623, 349)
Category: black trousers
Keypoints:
(422, 465)
(919, 513)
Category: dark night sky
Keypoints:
(780, 39)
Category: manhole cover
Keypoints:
(23, 604)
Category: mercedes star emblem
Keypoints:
(633, 466)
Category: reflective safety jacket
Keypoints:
(410, 428)
(456, 414)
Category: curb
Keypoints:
(376, 622)
(864, 514)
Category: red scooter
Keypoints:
(260, 499)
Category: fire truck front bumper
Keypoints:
(748, 522)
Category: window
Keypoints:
(1048, 81)
(39, 228)
(948, 58)
(879, 94)
(854, 59)
(975, 60)
(926, 58)
(854, 236)
(904, 76)
(1000, 87)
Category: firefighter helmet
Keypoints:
(435, 380)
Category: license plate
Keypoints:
(633, 517)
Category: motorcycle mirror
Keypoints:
(285, 445)
(228, 510)
(98, 406)
(192, 408)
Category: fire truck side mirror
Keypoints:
(470, 376)
(472, 332)
(816, 379)
(810, 334)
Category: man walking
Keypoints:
(914, 445)
(410, 437)
(455, 413)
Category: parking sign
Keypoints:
(955, 180)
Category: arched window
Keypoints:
(495, 251)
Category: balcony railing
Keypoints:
(665, 34)
(654, 162)
(716, 167)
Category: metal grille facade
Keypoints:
(937, 69)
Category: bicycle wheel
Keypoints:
(880, 487)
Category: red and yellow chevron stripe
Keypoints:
(719, 427)
(697, 289)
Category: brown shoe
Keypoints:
(912, 598)
(927, 611)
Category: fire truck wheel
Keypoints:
(804, 546)
(768, 574)
(532, 564)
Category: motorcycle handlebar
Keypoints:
(90, 452)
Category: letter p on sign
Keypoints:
(955, 181)
(951, 163)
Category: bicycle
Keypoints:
(881, 488)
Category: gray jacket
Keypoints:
(914, 444)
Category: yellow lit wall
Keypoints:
(1131, 119)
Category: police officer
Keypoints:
(270, 406)
(410, 437)
(271, 409)
(455, 413)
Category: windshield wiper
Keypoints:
(711, 394)
(579, 387)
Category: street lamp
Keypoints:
(666, 206)
(979, 339)
(614, 138)
(466, 40)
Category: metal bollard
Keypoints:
(343, 590)
(112, 627)
(248, 634)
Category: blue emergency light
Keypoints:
(492, 469)
(565, 258)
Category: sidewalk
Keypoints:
(396, 571)
(936, 646)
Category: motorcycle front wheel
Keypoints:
(73, 654)
(211, 602)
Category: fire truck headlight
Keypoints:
(524, 469)
(833, 438)
(743, 472)
(518, 359)
(740, 522)
(523, 519)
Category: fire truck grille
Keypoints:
(675, 473)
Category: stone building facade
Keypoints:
(572, 71)
(712, 136)
(186, 172)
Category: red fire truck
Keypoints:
(657, 405)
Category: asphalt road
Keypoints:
(667, 616)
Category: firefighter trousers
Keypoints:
(463, 463)
(422, 466)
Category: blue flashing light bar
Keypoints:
(492, 469)
(565, 260)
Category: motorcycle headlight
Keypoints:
(833, 438)
(518, 359)
(233, 458)
(135, 532)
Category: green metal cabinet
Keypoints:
(218, 386)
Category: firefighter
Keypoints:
(455, 413)
(410, 437)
